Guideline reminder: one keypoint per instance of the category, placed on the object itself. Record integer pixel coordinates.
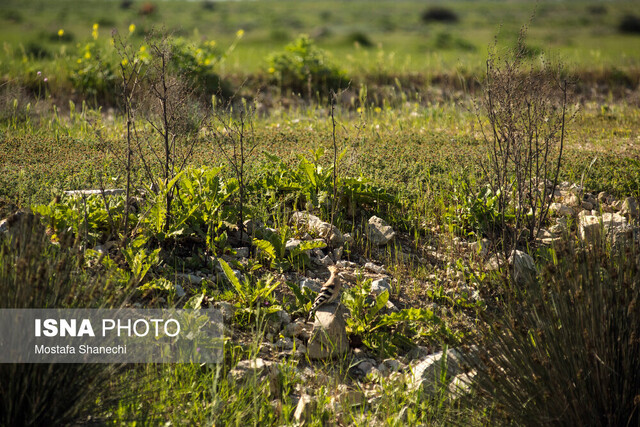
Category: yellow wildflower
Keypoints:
(272, 70)
(60, 32)
(240, 33)
(132, 28)
(87, 55)
(124, 62)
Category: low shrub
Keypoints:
(94, 71)
(361, 38)
(197, 62)
(439, 14)
(34, 273)
(630, 24)
(305, 69)
(147, 8)
(565, 349)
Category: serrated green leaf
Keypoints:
(266, 247)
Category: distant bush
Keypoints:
(597, 9)
(446, 40)
(61, 36)
(36, 50)
(94, 73)
(197, 62)
(439, 14)
(12, 15)
(147, 8)
(126, 4)
(305, 69)
(279, 34)
(208, 5)
(361, 38)
(630, 24)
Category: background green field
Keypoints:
(584, 34)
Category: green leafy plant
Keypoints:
(304, 68)
(198, 208)
(304, 298)
(199, 63)
(310, 185)
(476, 213)
(84, 216)
(94, 70)
(140, 261)
(273, 247)
(388, 333)
(254, 295)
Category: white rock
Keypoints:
(560, 210)
(329, 335)
(190, 278)
(283, 317)
(312, 284)
(391, 307)
(380, 285)
(346, 264)
(524, 268)
(630, 207)
(348, 398)
(325, 261)
(428, 373)
(348, 239)
(589, 225)
(367, 367)
(461, 384)
(305, 408)
(374, 268)
(227, 309)
(493, 264)
(179, 291)
(390, 365)
(284, 343)
(323, 229)
(242, 252)
(571, 200)
(480, 247)
(379, 232)
(248, 368)
(292, 244)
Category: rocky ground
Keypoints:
(309, 347)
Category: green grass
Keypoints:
(401, 42)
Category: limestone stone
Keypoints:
(321, 228)
(379, 232)
(329, 335)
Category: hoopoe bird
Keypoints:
(330, 292)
